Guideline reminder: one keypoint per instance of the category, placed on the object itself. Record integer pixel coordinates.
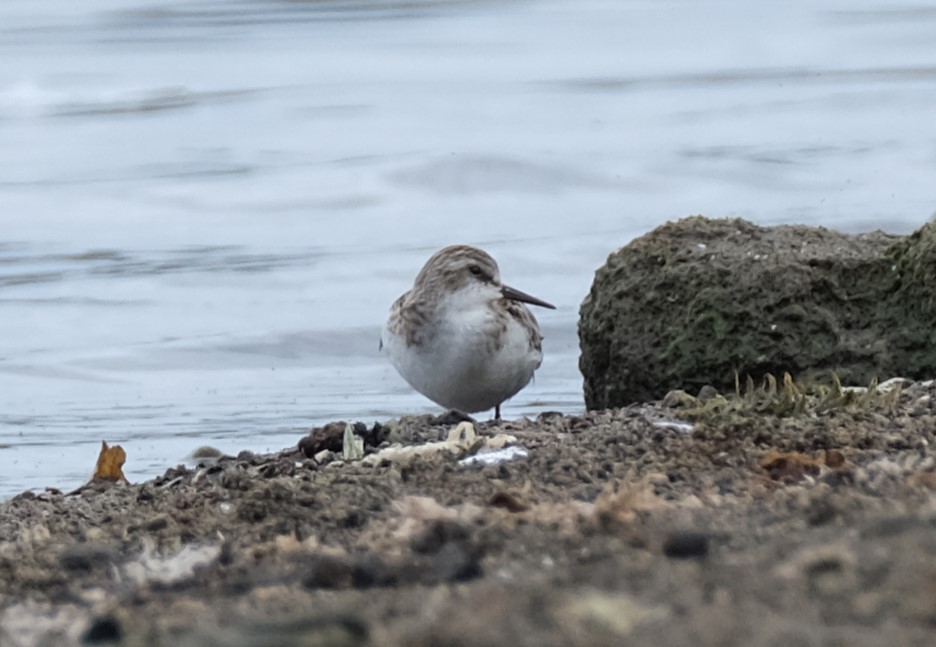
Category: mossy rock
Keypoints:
(695, 301)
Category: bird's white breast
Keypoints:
(474, 358)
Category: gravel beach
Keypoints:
(691, 521)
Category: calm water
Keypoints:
(206, 208)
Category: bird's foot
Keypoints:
(453, 417)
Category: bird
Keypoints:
(460, 336)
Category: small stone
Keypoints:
(324, 456)
(820, 512)
(156, 523)
(455, 562)
(545, 416)
(352, 519)
(890, 526)
(834, 459)
(329, 572)
(370, 570)
(373, 437)
(686, 545)
(836, 477)
(437, 534)
(509, 501)
(707, 393)
(329, 437)
(103, 631)
(145, 494)
(85, 557)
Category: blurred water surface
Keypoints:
(206, 208)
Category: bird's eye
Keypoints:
(475, 269)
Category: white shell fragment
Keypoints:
(462, 440)
(152, 567)
(352, 445)
(884, 387)
(489, 456)
(676, 425)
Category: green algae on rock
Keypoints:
(695, 301)
(786, 397)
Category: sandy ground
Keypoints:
(695, 523)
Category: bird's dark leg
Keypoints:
(497, 412)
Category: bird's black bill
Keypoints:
(517, 295)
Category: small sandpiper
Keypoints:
(461, 337)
